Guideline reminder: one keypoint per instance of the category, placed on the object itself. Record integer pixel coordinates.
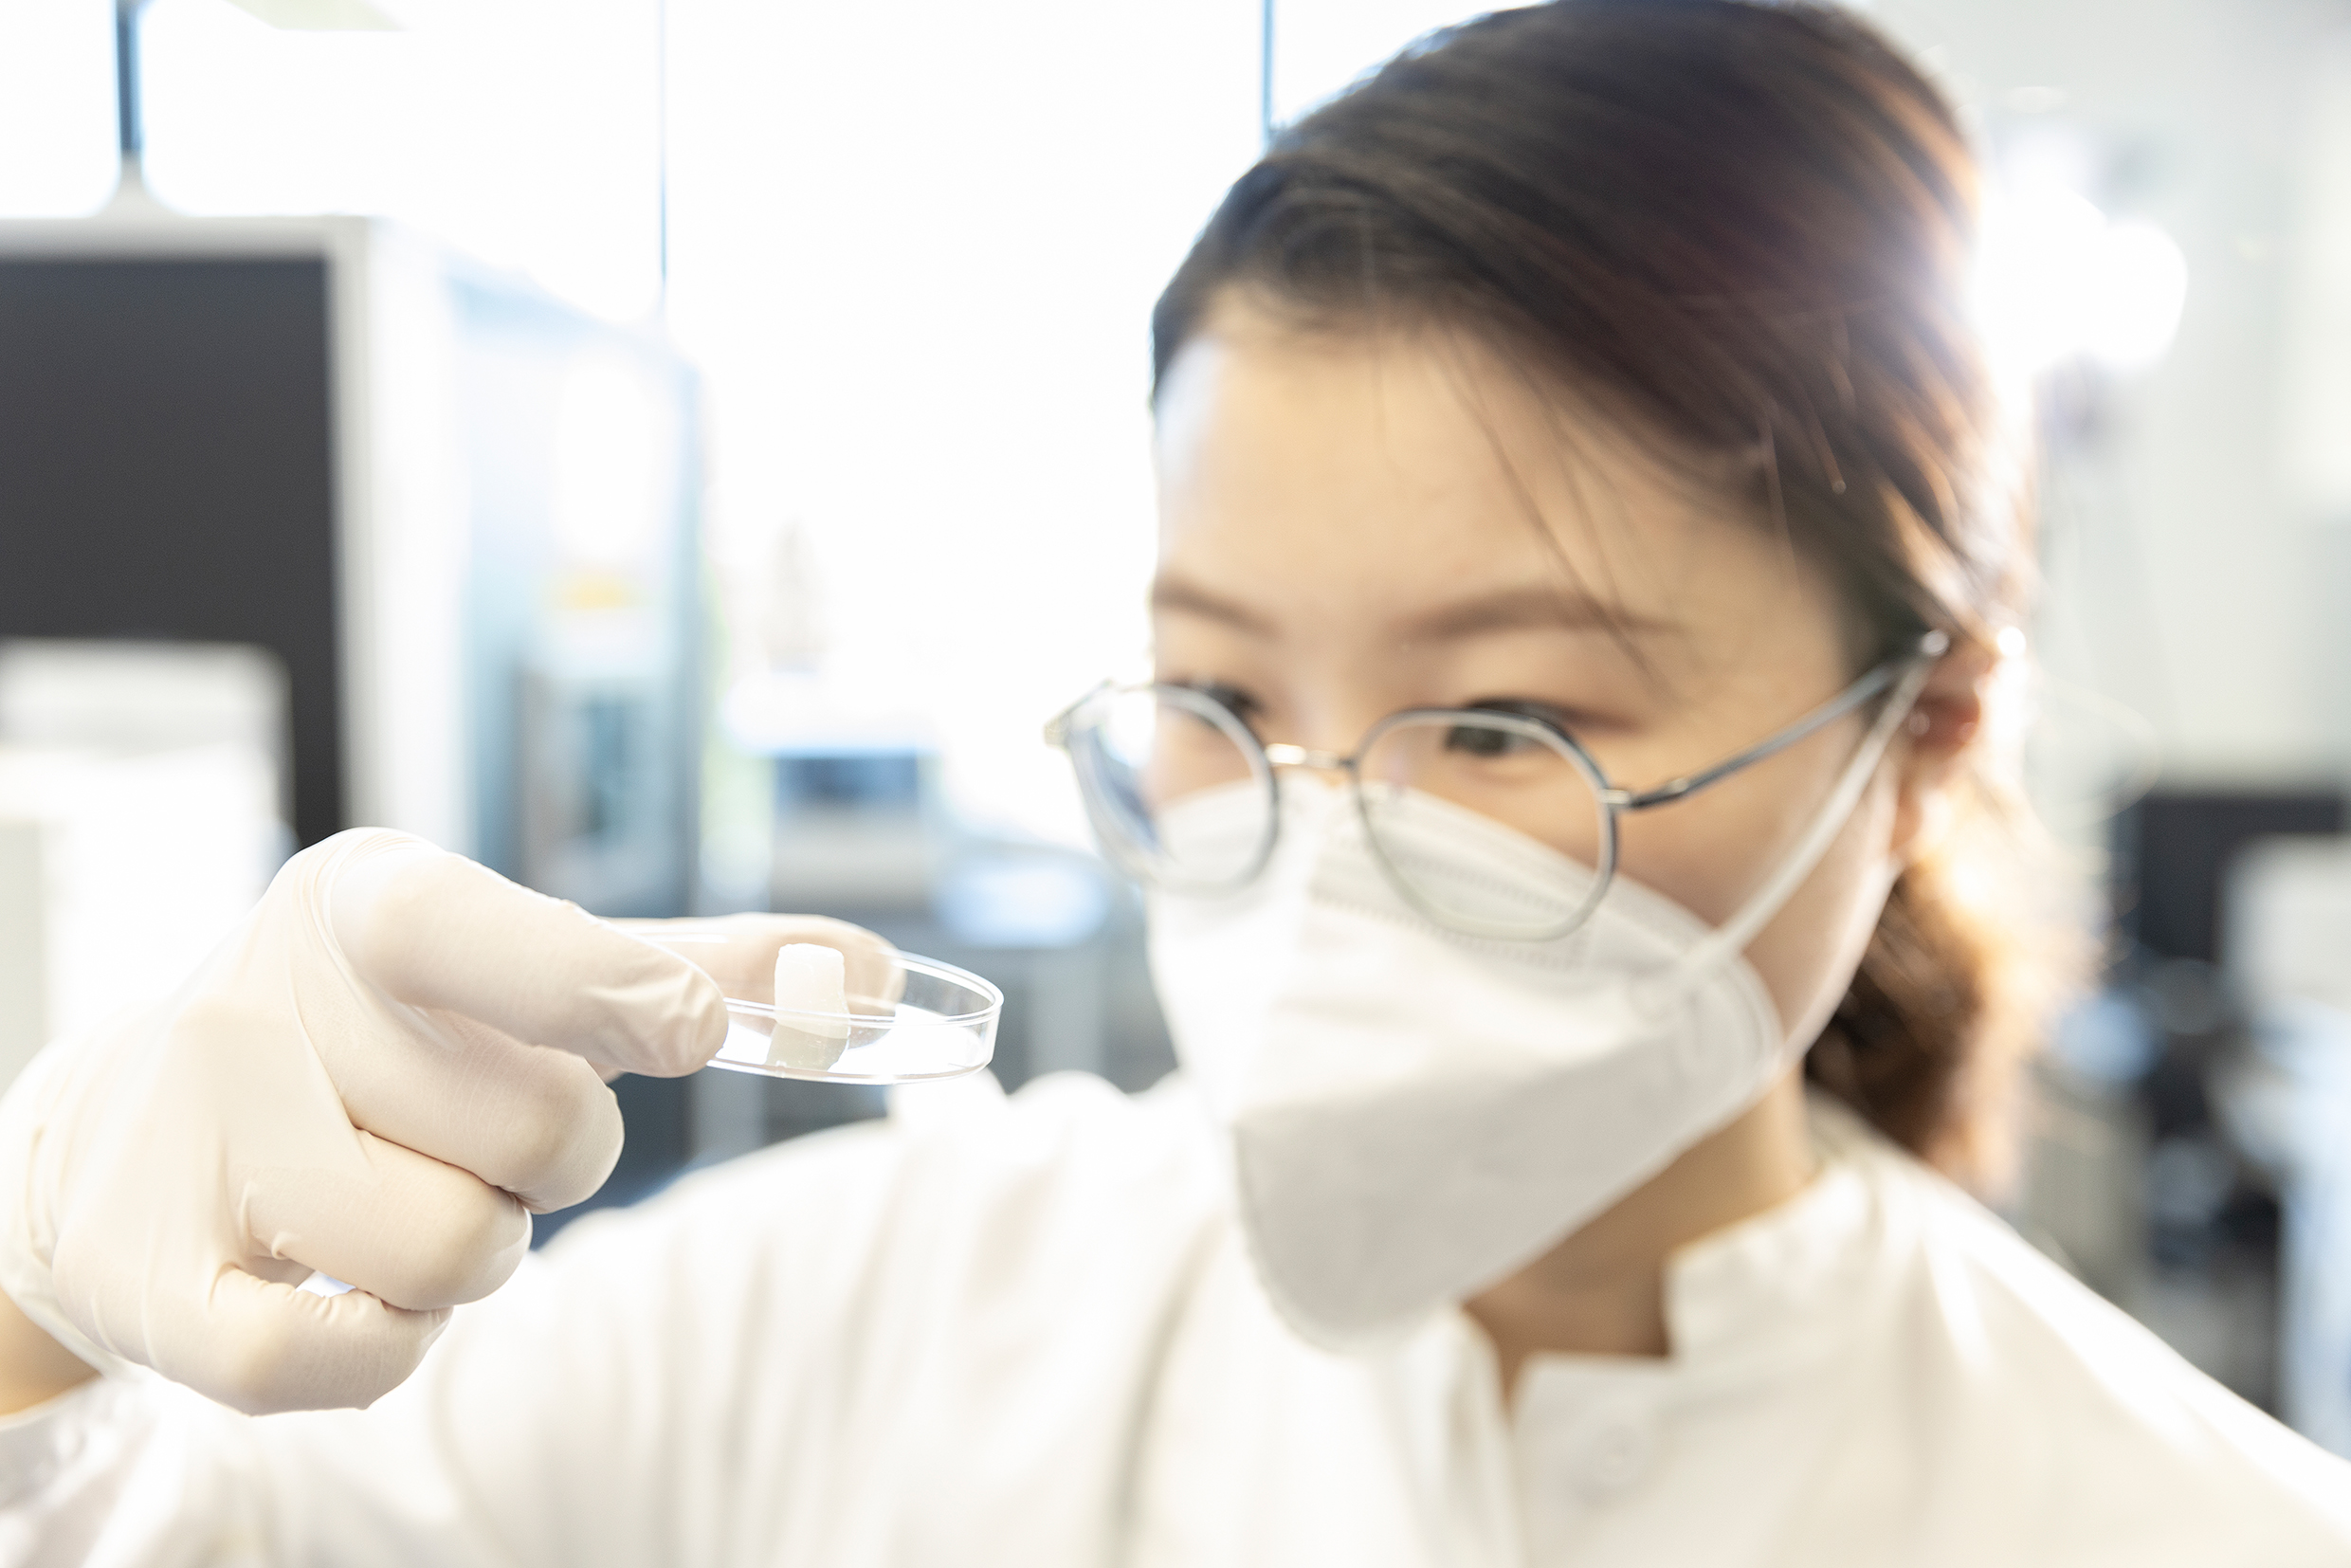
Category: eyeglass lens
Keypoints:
(1180, 794)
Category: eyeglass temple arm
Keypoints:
(1057, 727)
(1932, 646)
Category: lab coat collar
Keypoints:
(1782, 1275)
(1764, 1298)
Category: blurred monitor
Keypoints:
(2173, 851)
(166, 434)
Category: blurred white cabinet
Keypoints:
(119, 872)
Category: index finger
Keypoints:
(436, 930)
(739, 951)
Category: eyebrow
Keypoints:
(1531, 608)
(1181, 593)
(1510, 609)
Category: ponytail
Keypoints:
(1947, 1004)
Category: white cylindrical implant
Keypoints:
(810, 978)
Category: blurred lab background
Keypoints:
(679, 451)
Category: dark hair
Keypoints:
(1742, 229)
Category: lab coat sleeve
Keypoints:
(604, 1407)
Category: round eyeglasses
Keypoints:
(1186, 797)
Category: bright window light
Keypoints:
(610, 464)
(915, 248)
(59, 150)
(526, 132)
(2147, 288)
(2057, 279)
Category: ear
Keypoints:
(1932, 751)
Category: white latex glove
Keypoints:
(396, 1059)
(739, 951)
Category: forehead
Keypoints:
(1381, 470)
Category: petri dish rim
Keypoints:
(905, 964)
(827, 1075)
(979, 1023)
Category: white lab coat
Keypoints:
(1028, 1334)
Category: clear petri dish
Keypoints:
(942, 1024)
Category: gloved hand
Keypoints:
(395, 1060)
(739, 951)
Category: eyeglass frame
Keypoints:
(1265, 759)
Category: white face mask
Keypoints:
(1416, 1115)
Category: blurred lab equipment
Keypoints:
(583, 600)
(2177, 846)
(858, 821)
(2188, 1162)
(461, 518)
(2286, 1101)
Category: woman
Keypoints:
(1589, 552)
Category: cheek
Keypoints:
(1807, 954)
(1710, 854)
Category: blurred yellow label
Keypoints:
(596, 591)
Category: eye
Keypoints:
(1230, 698)
(1481, 741)
(1487, 741)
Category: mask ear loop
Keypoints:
(1731, 938)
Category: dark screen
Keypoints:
(2177, 848)
(167, 471)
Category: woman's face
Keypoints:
(1355, 524)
